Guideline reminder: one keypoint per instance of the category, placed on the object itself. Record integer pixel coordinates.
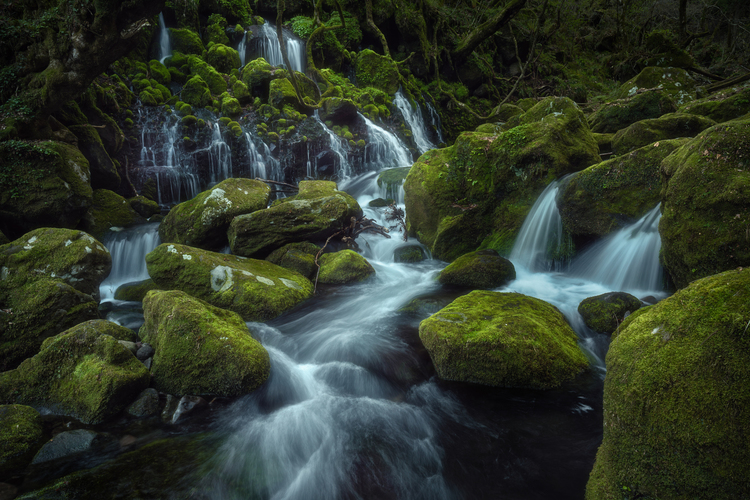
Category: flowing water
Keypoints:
(165, 46)
(384, 149)
(242, 49)
(128, 249)
(414, 119)
(266, 45)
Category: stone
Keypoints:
(408, 254)
(109, 210)
(669, 126)
(65, 444)
(144, 352)
(725, 105)
(620, 113)
(298, 257)
(481, 269)
(188, 406)
(21, 433)
(146, 405)
(343, 267)
(374, 70)
(135, 291)
(604, 313)
(674, 82)
(223, 58)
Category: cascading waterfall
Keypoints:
(262, 164)
(383, 149)
(219, 157)
(165, 46)
(435, 120)
(242, 49)
(267, 47)
(414, 119)
(627, 259)
(128, 249)
(339, 148)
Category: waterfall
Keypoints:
(242, 49)
(435, 120)
(339, 147)
(267, 46)
(415, 121)
(219, 157)
(542, 244)
(128, 249)
(262, 164)
(165, 47)
(383, 148)
(627, 259)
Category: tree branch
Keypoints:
(486, 29)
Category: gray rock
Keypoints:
(145, 352)
(147, 363)
(408, 254)
(64, 444)
(187, 406)
(146, 405)
(130, 346)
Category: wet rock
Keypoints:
(130, 346)
(298, 257)
(481, 269)
(148, 362)
(605, 312)
(188, 406)
(722, 106)
(374, 70)
(146, 405)
(380, 203)
(65, 444)
(144, 352)
(135, 291)
(21, 434)
(343, 267)
(409, 254)
(109, 210)
(674, 82)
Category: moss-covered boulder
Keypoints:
(391, 180)
(144, 207)
(338, 111)
(200, 349)
(135, 291)
(502, 340)
(615, 193)
(318, 211)
(255, 289)
(203, 221)
(669, 126)
(722, 106)
(257, 75)
(408, 254)
(481, 269)
(618, 114)
(196, 92)
(299, 257)
(343, 267)
(231, 107)
(159, 72)
(83, 373)
(185, 41)
(103, 170)
(706, 204)
(281, 92)
(605, 312)
(22, 434)
(42, 184)
(676, 400)
(109, 210)
(374, 70)
(213, 79)
(223, 58)
(476, 193)
(675, 82)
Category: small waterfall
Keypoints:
(262, 164)
(339, 148)
(384, 150)
(267, 46)
(242, 49)
(542, 244)
(165, 47)
(415, 121)
(219, 157)
(627, 259)
(435, 120)
(128, 249)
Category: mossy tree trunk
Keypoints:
(470, 42)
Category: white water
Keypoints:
(414, 119)
(242, 49)
(435, 120)
(219, 156)
(128, 249)
(340, 148)
(267, 46)
(384, 149)
(165, 46)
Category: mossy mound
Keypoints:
(722, 106)
(200, 349)
(213, 79)
(22, 434)
(338, 111)
(615, 193)
(185, 41)
(83, 372)
(108, 210)
(605, 312)
(318, 211)
(675, 82)
(374, 70)
(502, 340)
(343, 267)
(255, 289)
(299, 257)
(618, 114)
(144, 207)
(408, 254)
(196, 92)
(481, 269)
(281, 92)
(203, 221)
(223, 58)
(135, 291)
(676, 399)
(476, 193)
(706, 204)
(257, 76)
(391, 180)
(42, 184)
(669, 126)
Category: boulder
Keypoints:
(83, 373)
(669, 126)
(722, 106)
(216, 83)
(317, 212)
(65, 444)
(185, 41)
(374, 70)
(614, 193)
(103, 170)
(481, 269)
(502, 340)
(146, 405)
(109, 210)
(299, 257)
(706, 204)
(144, 207)
(605, 312)
(343, 267)
(21, 433)
(676, 402)
(477, 192)
(200, 349)
(196, 92)
(674, 82)
(223, 58)
(281, 92)
(620, 113)
(408, 254)
(390, 181)
(255, 289)
(203, 221)
(257, 75)
(339, 111)
(135, 291)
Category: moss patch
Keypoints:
(344, 267)
(108, 210)
(299, 257)
(620, 113)
(605, 312)
(481, 269)
(669, 126)
(21, 434)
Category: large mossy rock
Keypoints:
(135, 291)
(196, 92)
(203, 221)
(255, 289)
(185, 41)
(109, 210)
(675, 82)
(481, 269)
(21, 433)
(614, 193)
(257, 75)
(223, 58)
(676, 399)
(722, 106)
(299, 257)
(502, 340)
(374, 70)
(476, 193)
(103, 170)
(317, 212)
(49, 281)
(669, 126)
(605, 312)
(83, 373)
(617, 115)
(42, 184)
(344, 267)
(200, 349)
(706, 204)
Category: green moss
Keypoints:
(108, 210)
(159, 72)
(502, 339)
(675, 82)
(481, 269)
(185, 41)
(22, 434)
(392, 179)
(669, 126)
(374, 70)
(299, 257)
(223, 58)
(241, 92)
(256, 74)
(103, 170)
(196, 92)
(281, 92)
(200, 349)
(216, 35)
(618, 114)
(213, 79)
(722, 106)
(135, 291)
(676, 401)
(343, 267)
(605, 312)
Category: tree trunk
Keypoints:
(486, 29)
